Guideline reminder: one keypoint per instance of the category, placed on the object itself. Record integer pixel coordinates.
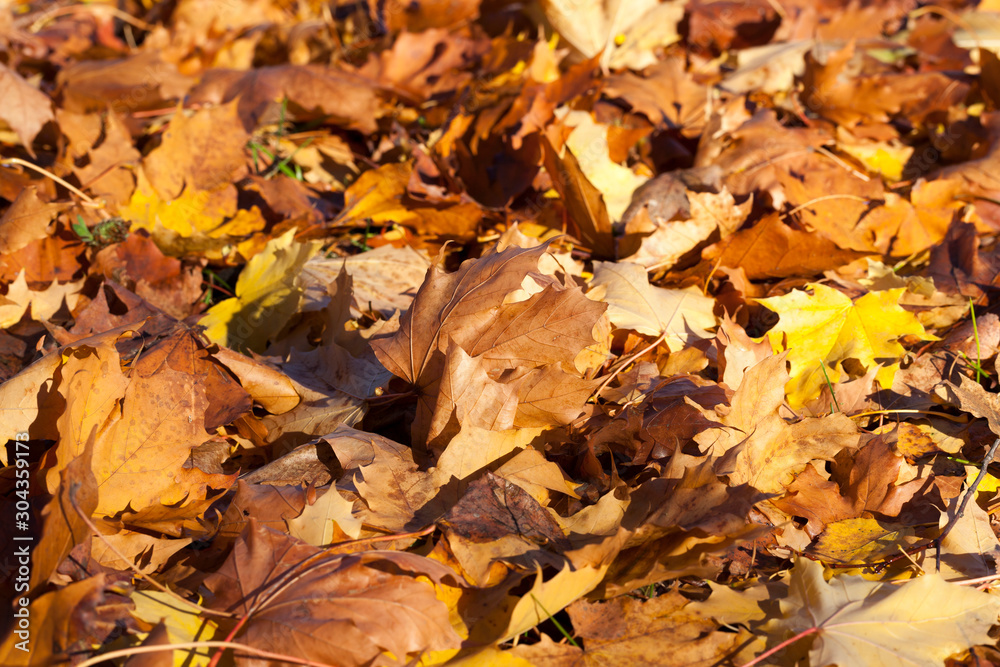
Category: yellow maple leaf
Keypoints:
(268, 293)
(197, 221)
(823, 329)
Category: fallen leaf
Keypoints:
(25, 221)
(919, 622)
(267, 294)
(27, 109)
(373, 603)
(685, 315)
(823, 329)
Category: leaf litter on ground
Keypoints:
(345, 333)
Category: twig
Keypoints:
(842, 164)
(72, 188)
(94, 9)
(969, 493)
(979, 580)
(823, 198)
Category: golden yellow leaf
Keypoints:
(267, 295)
(185, 623)
(861, 540)
(380, 195)
(549, 597)
(823, 329)
(195, 221)
(589, 142)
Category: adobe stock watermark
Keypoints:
(20, 543)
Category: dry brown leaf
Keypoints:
(359, 609)
(626, 631)
(25, 221)
(26, 109)
(175, 392)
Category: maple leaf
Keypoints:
(859, 622)
(758, 447)
(198, 153)
(545, 454)
(685, 315)
(629, 631)
(522, 346)
(772, 249)
(181, 623)
(27, 109)
(584, 202)
(196, 221)
(64, 526)
(380, 195)
(62, 629)
(41, 304)
(445, 303)
(823, 329)
(147, 424)
(267, 294)
(355, 609)
(383, 280)
(589, 142)
(26, 220)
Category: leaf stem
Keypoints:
(766, 654)
(969, 493)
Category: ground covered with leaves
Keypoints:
(475, 332)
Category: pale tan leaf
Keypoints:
(859, 622)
